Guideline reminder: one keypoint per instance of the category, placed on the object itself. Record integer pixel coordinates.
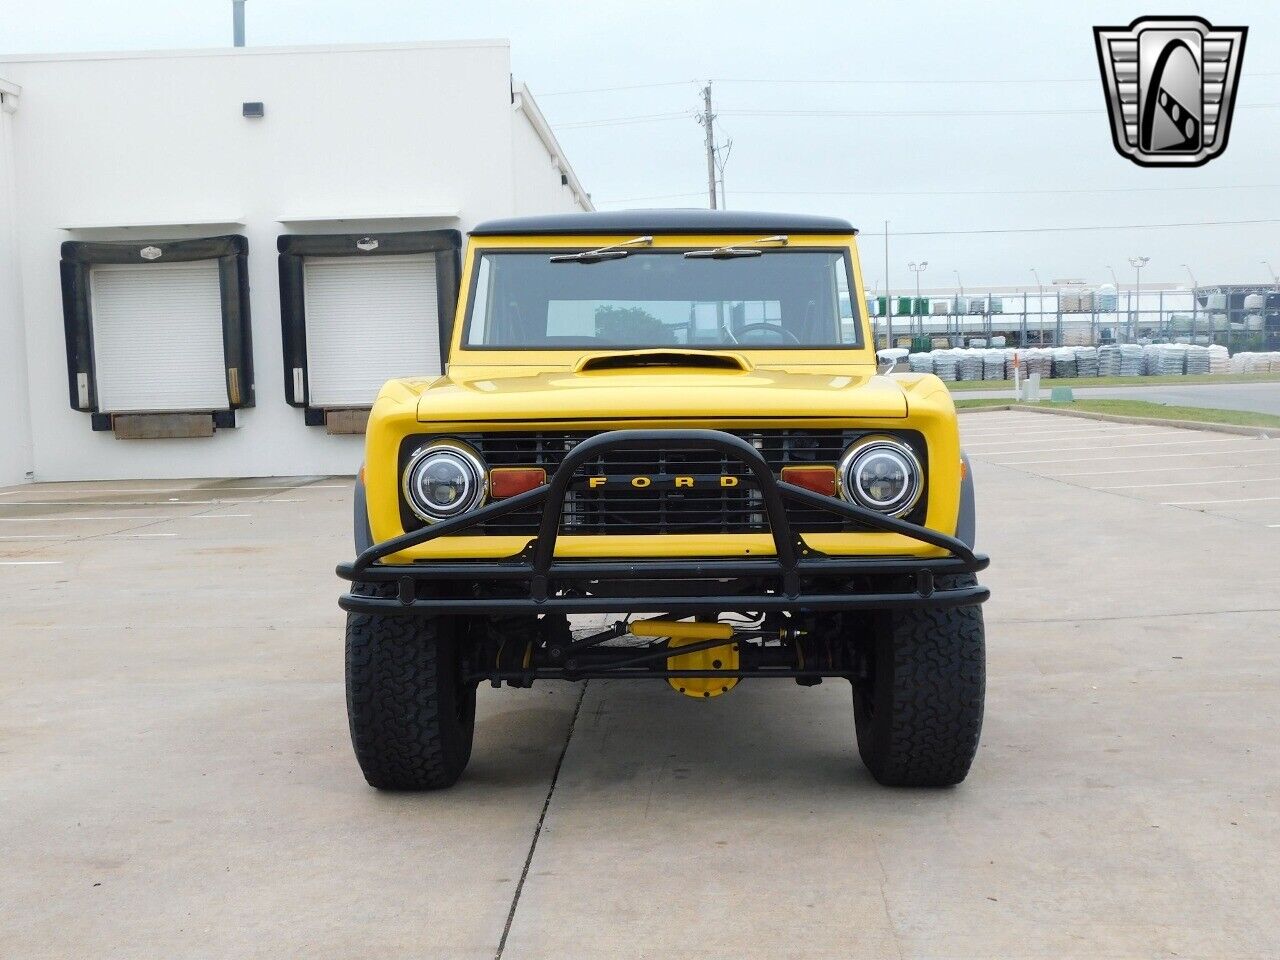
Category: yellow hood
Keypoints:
(493, 395)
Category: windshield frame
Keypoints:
(674, 245)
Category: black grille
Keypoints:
(708, 508)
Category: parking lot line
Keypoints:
(1191, 483)
(75, 519)
(29, 563)
(1097, 455)
(1103, 473)
(284, 487)
(64, 536)
(141, 503)
(1061, 436)
(1188, 503)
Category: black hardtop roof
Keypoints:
(643, 222)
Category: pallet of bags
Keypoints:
(944, 365)
(1150, 359)
(920, 362)
(1064, 363)
(1219, 359)
(1041, 362)
(969, 365)
(1086, 361)
(1197, 360)
(1171, 360)
(993, 362)
(1131, 360)
(1109, 360)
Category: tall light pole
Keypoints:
(1039, 303)
(1271, 270)
(1137, 263)
(888, 294)
(1195, 302)
(917, 269)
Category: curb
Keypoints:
(1269, 432)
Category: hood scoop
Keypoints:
(678, 359)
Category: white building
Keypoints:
(118, 305)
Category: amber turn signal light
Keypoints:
(508, 481)
(819, 479)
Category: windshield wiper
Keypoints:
(614, 251)
(730, 252)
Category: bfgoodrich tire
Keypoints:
(412, 718)
(919, 691)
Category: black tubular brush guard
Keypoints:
(534, 582)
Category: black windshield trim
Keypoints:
(855, 304)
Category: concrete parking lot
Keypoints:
(176, 778)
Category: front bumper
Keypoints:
(797, 577)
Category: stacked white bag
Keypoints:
(1197, 361)
(1131, 360)
(920, 362)
(1064, 362)
(969, 364)
(1171, 360)
(1086, 361)
(1219, 359)
(944, 365)
(1109, 360)
(993, 364)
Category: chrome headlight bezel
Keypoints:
(856, 456)
(475, 493)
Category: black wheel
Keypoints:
(412, 717)
(918, 692)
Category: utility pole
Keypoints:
(1195, 300)
(917, 269)
(707, 119)
(1137, 263)
(888, 296)
(1039, 304)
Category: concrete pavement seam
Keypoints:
(542, 818)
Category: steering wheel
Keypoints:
(782, 332)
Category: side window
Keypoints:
(844, 299)
(478, 332)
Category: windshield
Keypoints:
(658, 298)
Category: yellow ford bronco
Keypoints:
(674, 418)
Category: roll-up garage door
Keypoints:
(157, 337)
(368, 321)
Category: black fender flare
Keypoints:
(363, 535)
(967, 521)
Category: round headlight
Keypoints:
(882, 474)
(443, 480)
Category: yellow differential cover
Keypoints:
(717, 658)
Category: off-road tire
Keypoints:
(412, 719)
(918, 692)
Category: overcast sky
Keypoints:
(933, 176)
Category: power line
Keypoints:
(945, 113)
(956, 193)
(1116, 226)
(1002, 81)
(617, 121)
(865, 114)
(633, 86)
